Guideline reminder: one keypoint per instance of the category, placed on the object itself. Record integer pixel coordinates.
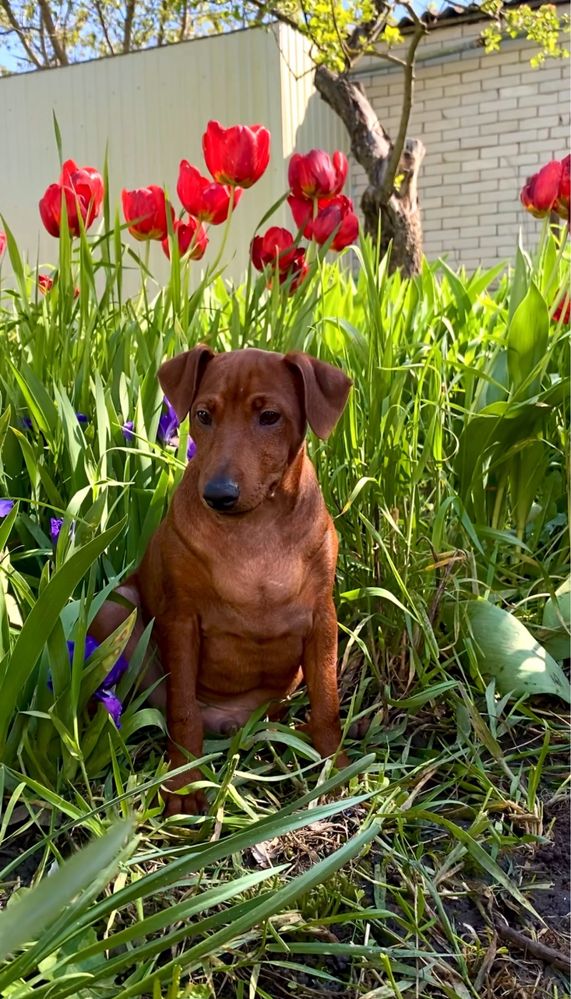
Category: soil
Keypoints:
(545, 879)
(551, 865)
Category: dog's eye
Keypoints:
(204, 417)
(269, 417)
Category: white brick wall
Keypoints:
(488, 122)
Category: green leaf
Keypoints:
(41, 620)
(33, 912)
(527, 338)
(507, 651)
(557, 618)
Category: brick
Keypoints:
(523, 90)
(475, 76)
(510, 59)
(506, 105)
(492, 82)
(479, 230)
(531, 101)
(551, 86)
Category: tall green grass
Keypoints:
(447, 477)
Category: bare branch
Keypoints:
(409, 78)
(279, 16)
(342, 42)
(412, 13)
(390, 58)
(162, 21)
(128, 26)
(56, 43)
(183, 22)
(7, 8)
(104, 27)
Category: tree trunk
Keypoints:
(390, 203)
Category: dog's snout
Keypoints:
(221, 494)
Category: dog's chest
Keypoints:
(260, 596)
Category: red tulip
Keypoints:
(3, 241)
(548, 190)
(46, 283)
(564, 198)
(191, 236)
(335, 216)
(82, 188)
(145, 209)
(204, 198)
(563, 311)
(275, 248)
(316, 174)
(297, 271)
(302, 211)
(237, 155)
(87, 183)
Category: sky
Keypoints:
(10, 61)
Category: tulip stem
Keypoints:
(220, 253)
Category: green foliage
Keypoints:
(508, 652)
(544, 26)
(454, 434)
(447, 480)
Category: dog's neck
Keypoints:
(297, 481)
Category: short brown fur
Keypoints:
(242, 600)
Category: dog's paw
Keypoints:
(359, 729)
(341, 761)
(195, 803)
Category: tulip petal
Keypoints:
(237, 155)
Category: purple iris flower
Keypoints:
(190, 449)
(56, 524)
(127, 430)
(26, 422)
(82, 418)
(103, 693)
(168, 424)
(5, 506)
(111, 703)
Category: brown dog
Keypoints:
(239, 575)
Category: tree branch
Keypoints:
(409, 78)
(547, 954)
(104, 27)
(366, 34)
(7, 8)
(48, 21)
(128, 26)
(162, 21)
(183, 21)
(370, 143)
(262, 8)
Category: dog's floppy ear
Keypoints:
(325, 391)
(179, 378)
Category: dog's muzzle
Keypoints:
(221, 494)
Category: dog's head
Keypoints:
(248, 415)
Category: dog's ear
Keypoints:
(325, 391)
(179, 378)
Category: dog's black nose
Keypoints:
(221, 494)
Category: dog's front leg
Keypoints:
(320, 671)
(178, 639)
